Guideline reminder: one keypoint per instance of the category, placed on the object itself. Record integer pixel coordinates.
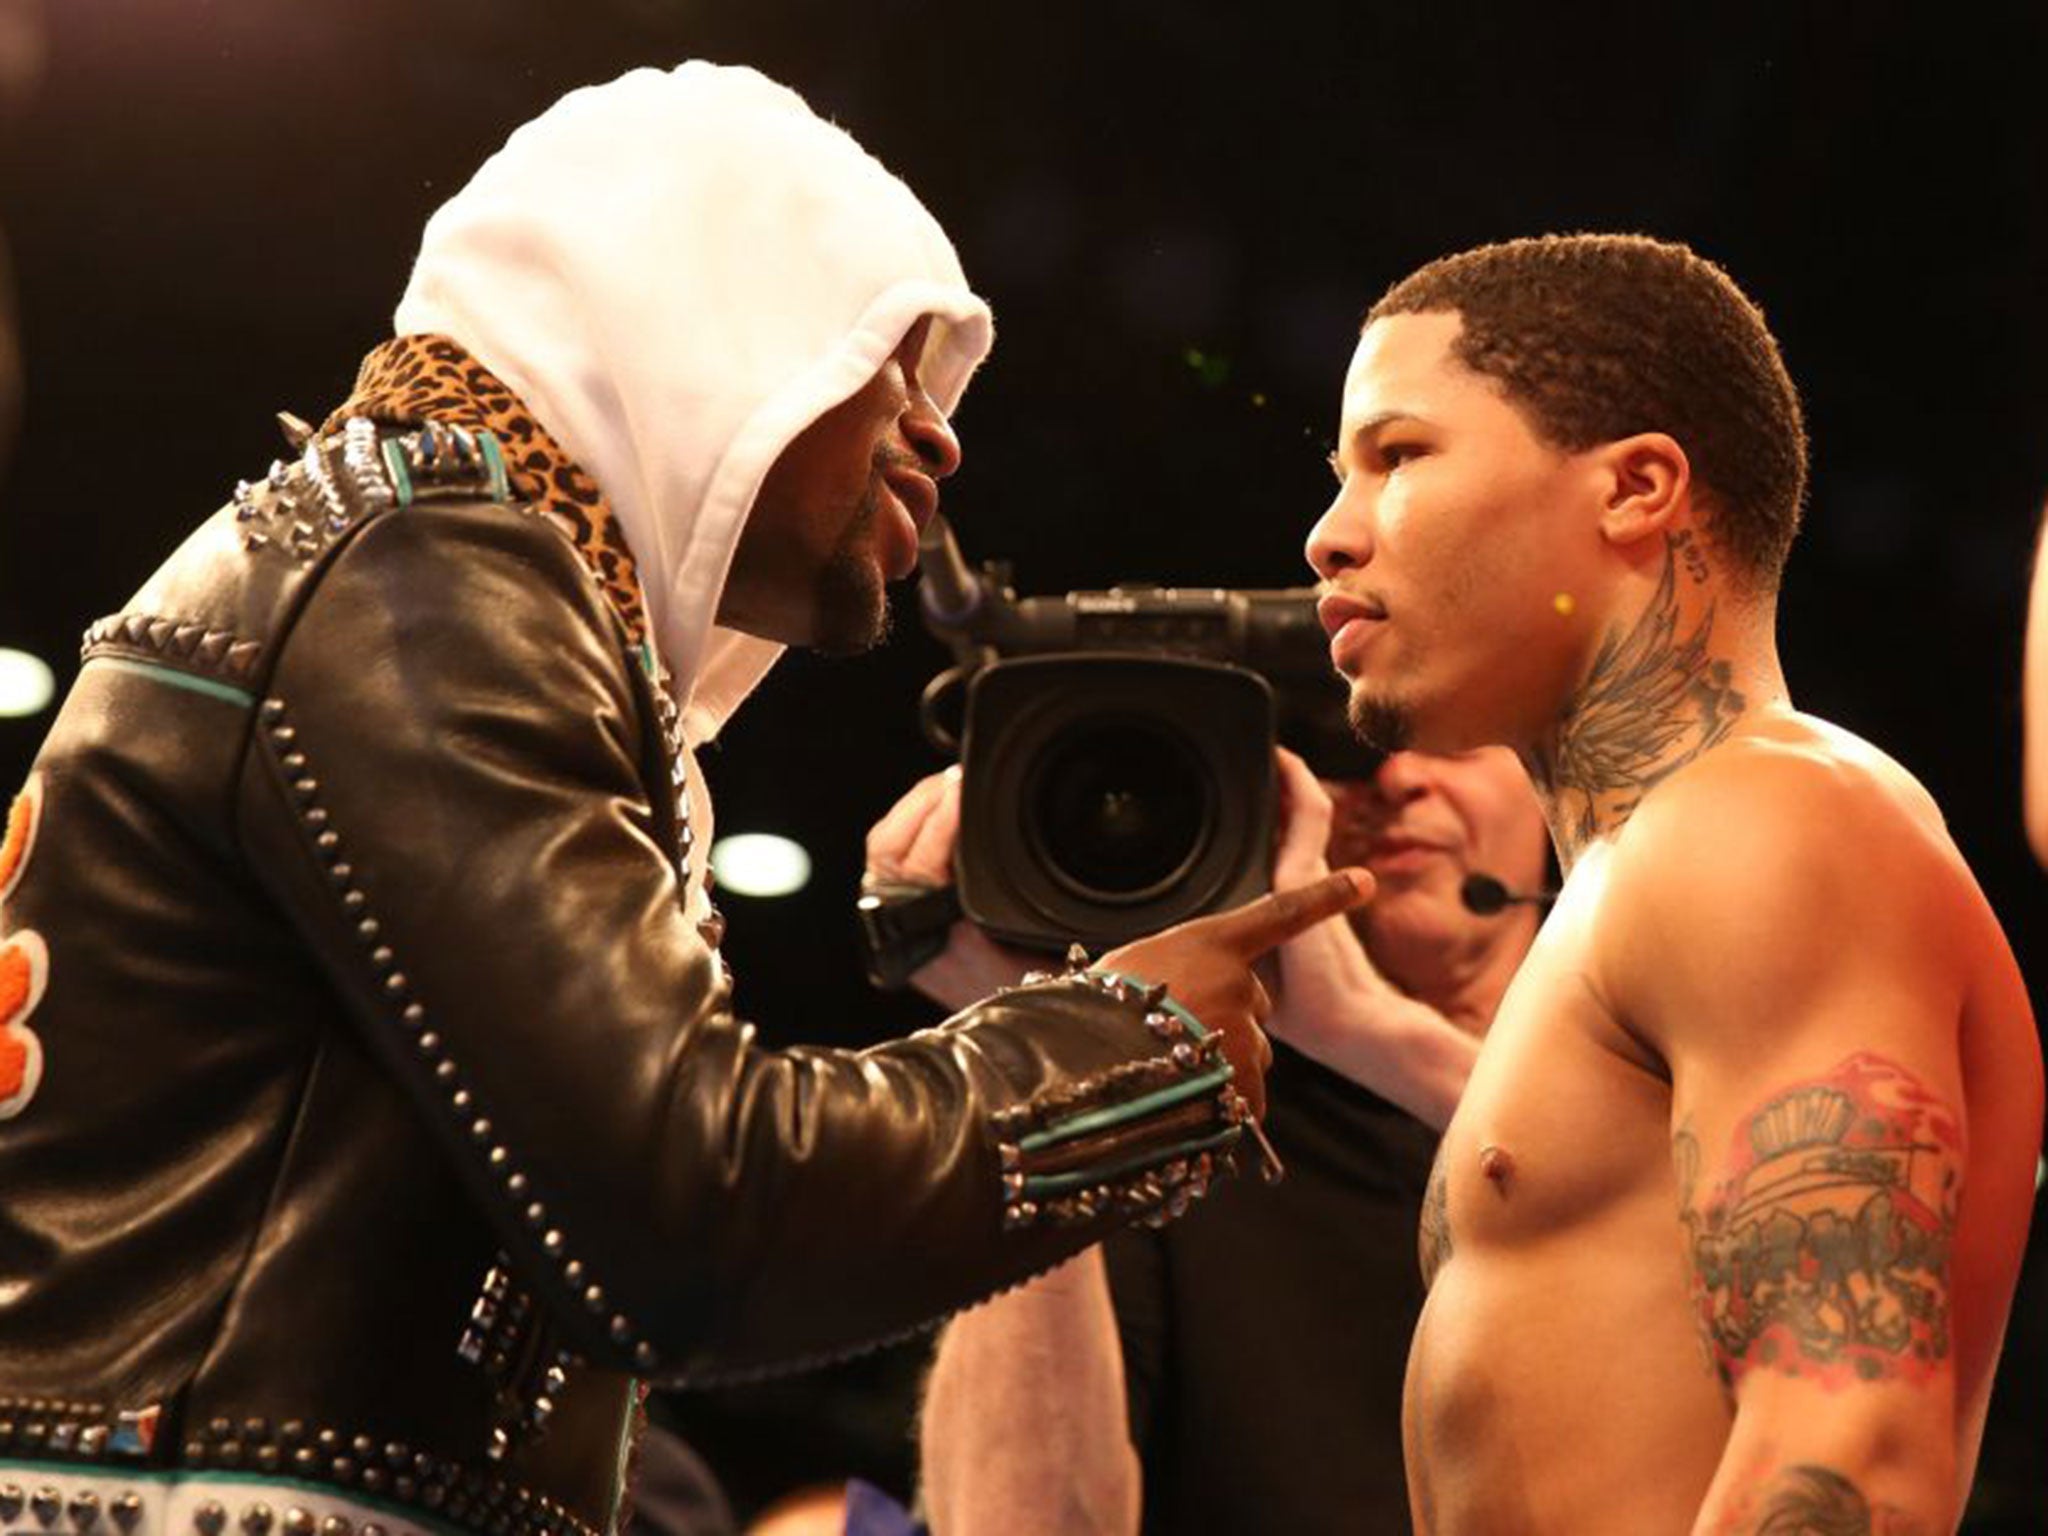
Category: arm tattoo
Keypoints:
(1434, 1240)
(1815, 1501)
(1652, 702)
(1685, 1161)
(1824, 1251)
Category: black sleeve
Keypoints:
(448, 792)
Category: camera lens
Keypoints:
(1118, 809)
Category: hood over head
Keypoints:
(678, 272)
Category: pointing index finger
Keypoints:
(1266, 924)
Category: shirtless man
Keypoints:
(1723, 1235)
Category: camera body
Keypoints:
(1107, 796)
(1117, 746)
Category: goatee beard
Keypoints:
(851, 603)
(1380, 723)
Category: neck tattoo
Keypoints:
(1654, 700)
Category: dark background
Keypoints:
(1179, 213)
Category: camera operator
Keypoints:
(1243, 1370)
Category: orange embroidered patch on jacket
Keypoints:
(24, 963)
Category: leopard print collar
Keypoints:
(411, 379)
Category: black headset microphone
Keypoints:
(1484, 896)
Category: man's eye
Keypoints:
(1394, 455)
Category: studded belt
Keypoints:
(38, 1499)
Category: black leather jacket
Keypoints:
(392, 1119)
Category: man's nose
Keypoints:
(931, 436)
(1341, 539)
(1401, 777)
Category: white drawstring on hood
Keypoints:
(677, 273)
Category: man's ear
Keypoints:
(1647, 482)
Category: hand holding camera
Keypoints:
(911, 848)
(1207, 962)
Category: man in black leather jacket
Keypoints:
(372, 1117)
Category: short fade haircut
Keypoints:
(1598, 337)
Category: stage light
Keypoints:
(26, 684)
(759, 864)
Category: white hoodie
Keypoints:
(677, 273)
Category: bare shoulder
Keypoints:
(1793, 808)
(1794, 857)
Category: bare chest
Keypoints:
(1563, 1126)
(1555, 1357)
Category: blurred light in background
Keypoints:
(26, 685)
(759, 864)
